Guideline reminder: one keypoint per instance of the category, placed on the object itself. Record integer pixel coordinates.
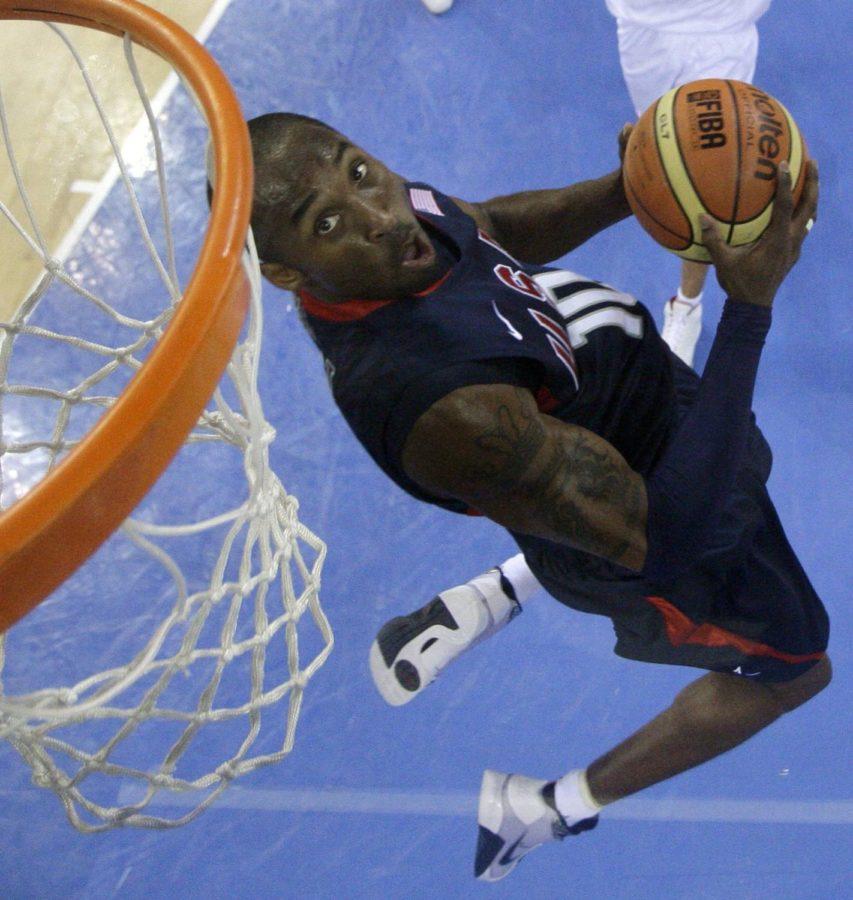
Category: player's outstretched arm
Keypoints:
(690, 485)
(541, 226)
(489, 446)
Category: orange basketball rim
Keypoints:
(53, 529)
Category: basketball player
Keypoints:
(634, 489)
(661, 45)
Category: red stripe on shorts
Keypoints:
(682, 630)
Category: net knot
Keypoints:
(53, 265)
(267, 435)
(49, 777)
(227, 771)
(41, 777)
(161, 780)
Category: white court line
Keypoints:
(135, 141)
(464, 804)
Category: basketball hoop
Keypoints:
(46, 535)
(92, 482)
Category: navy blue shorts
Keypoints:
(746, 607)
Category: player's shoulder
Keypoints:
(429, 200)
(477, 212)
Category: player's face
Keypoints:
(351, 231)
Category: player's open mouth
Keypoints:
(418, 252)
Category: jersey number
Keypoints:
(574, 297)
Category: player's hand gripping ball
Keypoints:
(713, 147)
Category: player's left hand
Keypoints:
(752, 273)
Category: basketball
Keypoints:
(711, 146)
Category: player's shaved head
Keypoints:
(284, 148)
(331, 220)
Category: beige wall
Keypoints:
(60, 146)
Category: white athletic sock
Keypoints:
(690, 301)
(573, 799)
(500, 608)
(518, 574)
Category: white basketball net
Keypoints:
(233, 621)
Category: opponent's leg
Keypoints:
(682, 314)
(713, 714)
(411, 651)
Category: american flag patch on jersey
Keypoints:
(423, 201)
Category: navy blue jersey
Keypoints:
(591, 355)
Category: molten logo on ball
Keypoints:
(770, 129)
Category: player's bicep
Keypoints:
(488, 446)
(474, 442)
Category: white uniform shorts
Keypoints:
(655, 61)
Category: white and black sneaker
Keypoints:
(410, 651)
(514, 817)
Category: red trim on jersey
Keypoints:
(559, 341)
(435, 285)
(353, 310)
(348, 311)
(553, 327)
(682, 630)
(564, 354)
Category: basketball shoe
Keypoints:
(682, 325)
(411, 651)
(437, 6)
(514, 818)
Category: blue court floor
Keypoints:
(375, 802)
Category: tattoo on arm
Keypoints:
(573, 485)
(508, 448)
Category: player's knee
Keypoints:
(794, 693)
(702, 702)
